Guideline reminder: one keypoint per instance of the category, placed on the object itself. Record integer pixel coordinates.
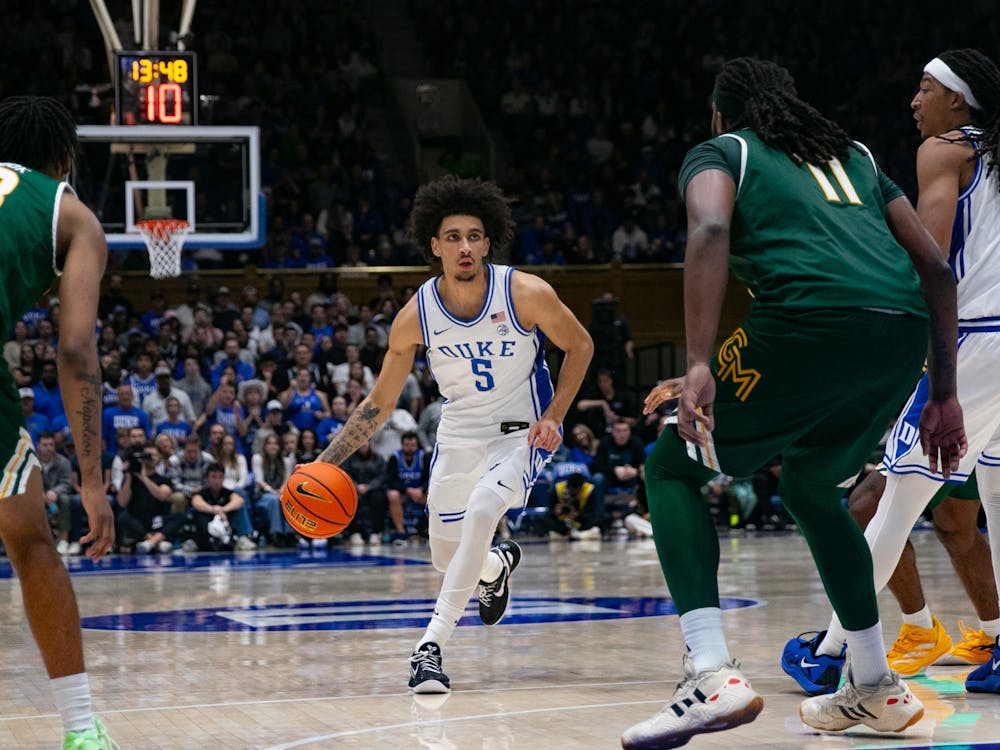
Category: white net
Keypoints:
(164, 239)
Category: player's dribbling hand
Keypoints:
(942, 434)
(665, 390)
(544, 434)
(695, 417)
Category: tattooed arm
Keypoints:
(404, 337)
(83, 253)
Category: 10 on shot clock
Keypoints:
(156, 88)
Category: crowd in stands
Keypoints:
(597, 104)
(209, 405)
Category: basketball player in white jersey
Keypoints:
(959, 180)
(484, 327)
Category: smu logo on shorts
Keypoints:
(731, 368)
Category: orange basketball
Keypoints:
(319, 500)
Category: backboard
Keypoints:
(207, 176)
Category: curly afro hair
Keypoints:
(454, 196)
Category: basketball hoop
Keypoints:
(164, 239)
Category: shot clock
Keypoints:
(156, 88)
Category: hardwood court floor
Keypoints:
(276, 651)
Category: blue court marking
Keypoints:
(385, 615)
(144, 564)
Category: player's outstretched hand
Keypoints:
(695, 416)
(942, 435)
(544, 434)
(665, 390)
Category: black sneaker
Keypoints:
(425, 670)
(494, 597)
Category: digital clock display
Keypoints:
(156, 88)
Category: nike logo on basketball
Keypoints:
(805, 665)
(438, 333)
(301, 489)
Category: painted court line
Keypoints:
(450, 720)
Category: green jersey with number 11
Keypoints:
(811, 235)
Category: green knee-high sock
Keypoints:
(686, 542)
(840, 551)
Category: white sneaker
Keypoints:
(356, 540)
(886, 707)
(189, 545)
(319, 543)
(707, 701)
(165, 547)
(375, 540)
(62, 547)
(592, 533)
(245, 544)
(74, 549)
(638, 525)
(144, 547)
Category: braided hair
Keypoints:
(37, 132)
(453, 196)
(760, 95)
(983, 77)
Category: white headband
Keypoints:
(948, 78)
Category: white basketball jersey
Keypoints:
(974, 254)
(490, 370)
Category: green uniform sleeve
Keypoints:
(890, 190)
(719, 153)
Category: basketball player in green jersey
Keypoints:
(44, 232)
(802, 215)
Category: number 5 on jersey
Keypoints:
(484, 378)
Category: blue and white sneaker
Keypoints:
(986, 677)
(817, 674)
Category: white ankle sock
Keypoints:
(868, 663)
(72, 694)
(833, 642)
(921, 619)
(705, 638)
(990, 627)
(441, 626)
(492, 567)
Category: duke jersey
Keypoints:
(974, 254)
(411, 473)
(490, 370)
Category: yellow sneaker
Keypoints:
(975, 646)
(917, 648)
